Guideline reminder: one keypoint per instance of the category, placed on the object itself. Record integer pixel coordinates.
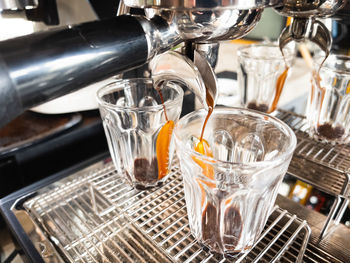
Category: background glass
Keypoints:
(229, 196)
(138, 133)
(260, 67)
(328, 110)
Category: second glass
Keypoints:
(328, 111)
(262, 74)
(231, 190)
(139, 128)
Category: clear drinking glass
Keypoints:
(231, 191)
(139, 128)
(328, 111)
(261, 75)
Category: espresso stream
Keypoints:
(279, 87)
(163, 142)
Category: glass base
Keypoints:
(324, 139)
(234, 254)
(141, 187)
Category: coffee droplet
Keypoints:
(162, 148)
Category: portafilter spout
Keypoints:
(197, 76)
(304, 25)
(302, 29)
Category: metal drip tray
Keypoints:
(93, 216)
(323, 165)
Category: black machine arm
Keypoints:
(42, 66)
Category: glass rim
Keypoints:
(332, 57)
(211, 160)
(243, 52)
(112, 87)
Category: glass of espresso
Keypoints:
(262, 73)
(231, 177)
(138, 120)
(328, 111)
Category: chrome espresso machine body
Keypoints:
(45, 65)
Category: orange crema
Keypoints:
(207, 169)
(204, 149)
(348, 89)
(162, 148)
(279, 87)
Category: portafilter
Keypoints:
(304, 25)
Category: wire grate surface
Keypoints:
(164, 220)
(323, 165)
(96, 217)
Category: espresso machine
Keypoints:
(45, 65)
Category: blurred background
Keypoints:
(58, 134)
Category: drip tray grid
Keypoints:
(96, 217)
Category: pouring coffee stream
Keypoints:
(199, 77)
(210, 83)
(279, 87)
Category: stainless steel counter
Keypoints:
(93, 216)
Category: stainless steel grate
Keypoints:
(95, 217)
(323, 165)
